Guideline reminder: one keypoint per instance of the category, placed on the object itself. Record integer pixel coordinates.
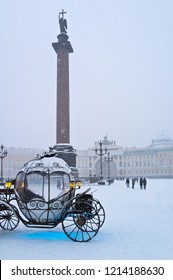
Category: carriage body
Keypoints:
(44, 196)
(42, 189)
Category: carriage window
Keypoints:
(66, 180)
(19, 185)
(59, 182)
(36, 183)
(41, 185)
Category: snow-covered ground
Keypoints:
(138, 225)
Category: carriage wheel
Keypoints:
(8, 219)
(81, 223)
(97, 207)
(100, 210)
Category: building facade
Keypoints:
(16, 158)
(154, 161)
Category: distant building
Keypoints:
(154, 161)
(16, 158)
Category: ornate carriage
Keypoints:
(43, 195)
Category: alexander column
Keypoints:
(62, 48)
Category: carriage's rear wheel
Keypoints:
(81, 223)
(100, 210)
(97, 206)
(8, 219)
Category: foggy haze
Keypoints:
(120, 72)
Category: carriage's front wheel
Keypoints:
(81, 223)
(8, 219)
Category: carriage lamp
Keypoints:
(72, 184)
(79, 183)
(8, 184)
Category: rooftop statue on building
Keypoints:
(106, 141)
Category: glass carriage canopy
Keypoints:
(45, 178)
(38, 184)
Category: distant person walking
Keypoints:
(133, 183)
(145, 183)
(141, 183)
(127, 182)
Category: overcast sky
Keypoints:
(121, 81)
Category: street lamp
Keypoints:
(100, 152)
(108, 159)
(3, 154)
